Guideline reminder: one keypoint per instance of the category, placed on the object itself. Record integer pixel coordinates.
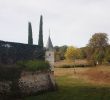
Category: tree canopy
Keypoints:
(98, 40)
(96, 47)
(71, 53)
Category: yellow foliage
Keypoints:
(71, 53)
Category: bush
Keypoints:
(33, 65)
(77, 65)
(8, 72)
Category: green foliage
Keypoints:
(60, 52)
(75, 65)
(83, 53)
(99, 55)
(107, 54)
(98, 40)
(40, 41)
(33, 65)
(9, 72)
(30, 39)
(96, 48)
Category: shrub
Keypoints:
(77, 65)
(33, 65)
(9, 72)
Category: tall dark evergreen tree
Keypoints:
(40, 41)
(30, 39)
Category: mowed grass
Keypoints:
(76, 86)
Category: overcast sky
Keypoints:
(71, 22)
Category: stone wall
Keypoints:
(34, 82)
(29, 83)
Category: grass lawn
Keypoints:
(75, 87)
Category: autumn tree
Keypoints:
(96, 47)
(71, 53)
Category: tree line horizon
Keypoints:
(97, 51)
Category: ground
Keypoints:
(66, 62)
(87, 84)
(94, 76)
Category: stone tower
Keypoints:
(49, 54)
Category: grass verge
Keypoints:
(71, 88)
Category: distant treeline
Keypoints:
(61, 50)
(97, 50)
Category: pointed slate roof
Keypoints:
(49, 44)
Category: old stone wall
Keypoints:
(34, 82)
(29, 83)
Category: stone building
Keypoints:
(49, 54)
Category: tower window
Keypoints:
(49, 54)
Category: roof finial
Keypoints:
(49, 43)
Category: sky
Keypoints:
(71, 22)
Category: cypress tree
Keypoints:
(30, 39)
(40, 41)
